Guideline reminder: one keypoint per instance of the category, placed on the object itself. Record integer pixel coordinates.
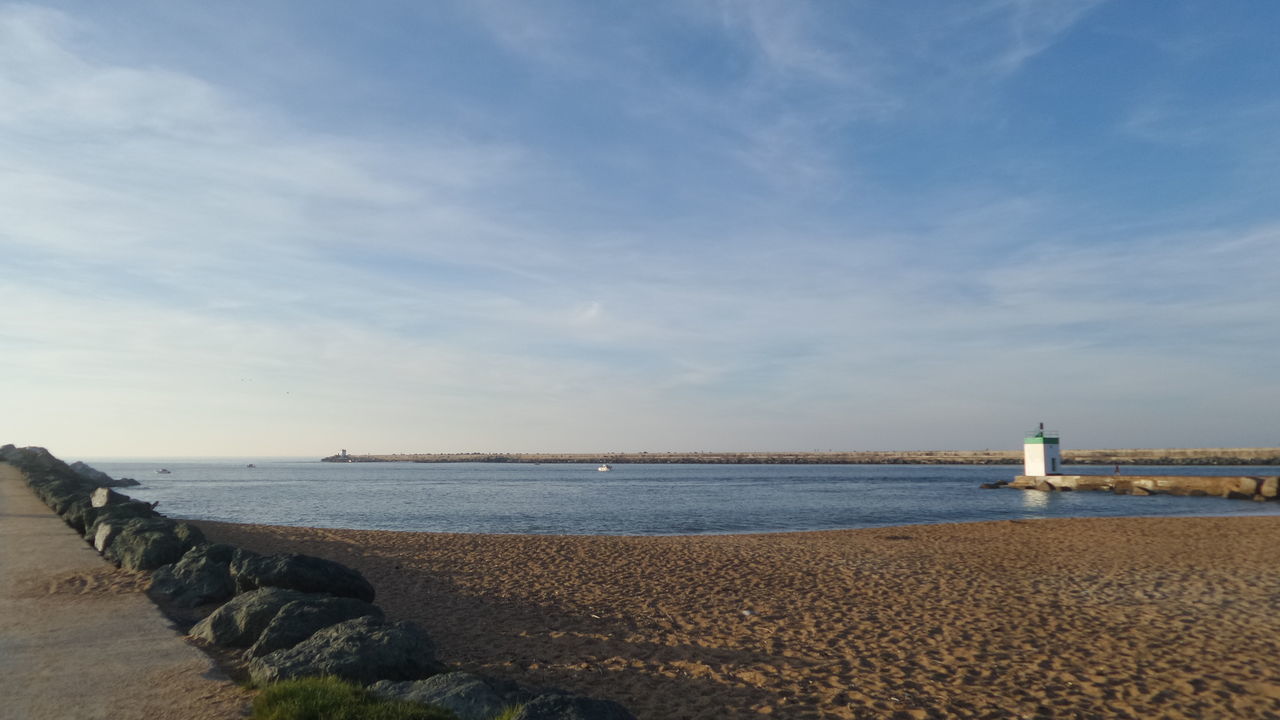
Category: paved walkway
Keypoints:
(78, 638)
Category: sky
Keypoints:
(244, 228)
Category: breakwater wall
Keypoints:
(1238, 487)
(1167, 456)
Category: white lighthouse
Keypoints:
(1040, 453)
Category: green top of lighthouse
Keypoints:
(1042, 437)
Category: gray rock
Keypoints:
(363, 651)
(104, 496)
(103, 534)
(99, 478)
(202, 575)
(148, 543)
(61, 494)
(37, 461)
(117, 514)
(300, 572)
(240, 621)
(470, 697)
(76, 512)
(300, 619)
(92, 475)
(572, 707)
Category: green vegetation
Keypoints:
(333, 699)
(509, 713)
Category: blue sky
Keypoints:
(245, 228)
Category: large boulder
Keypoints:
(202, 575)
(61, 493)
(300, 572)
(572, 707)
(91, 474)
(240, 621)
(101, 479)
(300, 619)
(148, 543)
(35, 461)
(470, 697)
(104, 496)
(117, 514)
(362, 651)
(77, 512)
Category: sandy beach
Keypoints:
(1141, 618)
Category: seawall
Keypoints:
(1165, 456)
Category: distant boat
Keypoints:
(162, 471)
(604, 468)
(250, 465)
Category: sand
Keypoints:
(1106, 618)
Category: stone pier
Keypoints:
(1242, 487)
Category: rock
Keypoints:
(202, 575)
(76, 513)
(1044, 486)
(117, 514)
(103, 534)
(572, 707)
(105, 496)
(300, 572)
(242, 619)
(300, 619)
(470, 697)
(148, 543)
(60, 495)
(363, 651)
(1269, 486)
(993, 485)
(36, 461)
(92, 475)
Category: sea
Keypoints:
(646, 499)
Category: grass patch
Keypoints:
(333, 699)
(509, 712)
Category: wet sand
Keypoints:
(1105, 618)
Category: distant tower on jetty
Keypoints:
(1041, 454)
(343, 453)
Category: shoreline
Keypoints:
(1105, 617)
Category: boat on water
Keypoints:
(163, 471)
(251, 465)
(604, 468)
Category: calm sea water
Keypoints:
(630, 500)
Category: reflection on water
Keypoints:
(1034, 499)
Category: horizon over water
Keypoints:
(631, 499)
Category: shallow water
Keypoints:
(632, 499)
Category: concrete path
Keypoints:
(78, 638)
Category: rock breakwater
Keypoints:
(298, 615)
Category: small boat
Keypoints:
(604, 468)
(251, 465)
(162, 471)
